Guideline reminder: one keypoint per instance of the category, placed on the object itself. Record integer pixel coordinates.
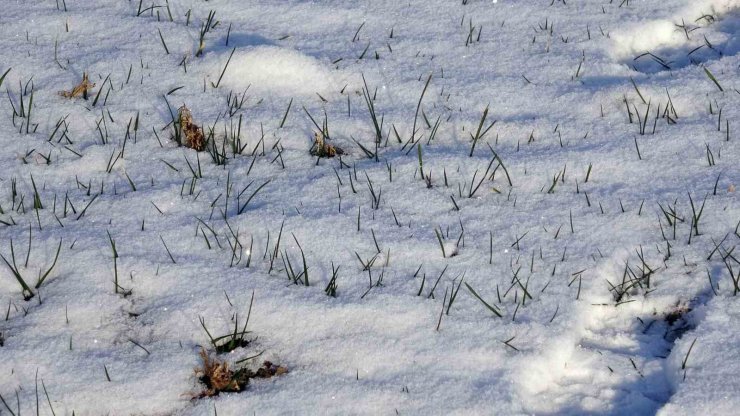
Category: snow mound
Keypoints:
(663, 33)
(279, 71)
(645, 37)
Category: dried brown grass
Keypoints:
(218, 377)
(191, 134)
(321, 148)
(80, 89)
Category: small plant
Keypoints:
(371, 110)
(233, 340)
(331, 288)
(205, 27)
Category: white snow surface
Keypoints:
(278, 71)
(598, 216)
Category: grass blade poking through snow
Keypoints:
(2, 78)
(224, 70)
(331, 288)
(480, 132)
(115, 261)
(686, 358)
(490, 308)
(709, 74)
(441, 244)
(501, 162)
(287, 110)
(303, 257)
(371, 110)
(418, 106)
(421, 160)
(243, 207)
(46, 274)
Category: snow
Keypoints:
(676, 44)
(646, 36)
(278, 71)
(609, 304)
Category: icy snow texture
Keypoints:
(558, 80)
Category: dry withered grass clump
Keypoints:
(192, 135)
(218, 377)
(80, 89)
(321, 148)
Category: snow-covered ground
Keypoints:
(576, 256)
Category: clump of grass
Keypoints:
(205, 27)
(80, 89)
(331, 288)
(321, 148)
(232, 340)
(189, 131)
(218, 377)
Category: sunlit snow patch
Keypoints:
(659, 45)
(276, 70)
